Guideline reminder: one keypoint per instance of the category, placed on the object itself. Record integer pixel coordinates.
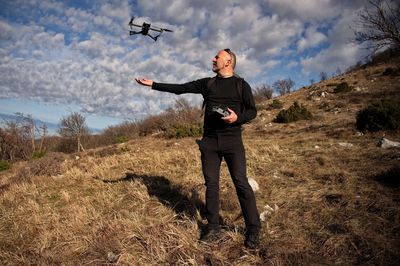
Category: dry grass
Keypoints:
(141, 203)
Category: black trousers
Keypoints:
(227, 146)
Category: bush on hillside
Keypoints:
(4, 165)
(121, 139)
(66, 145)
(380, 115)
(276, 104)
(294, 113)
(38, 154)
(185, 130)
(342, 87)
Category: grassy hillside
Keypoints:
(334, 193)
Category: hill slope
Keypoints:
(334, 193)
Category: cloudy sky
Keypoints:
(58, 57)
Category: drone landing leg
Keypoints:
(155, 37)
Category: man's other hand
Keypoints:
(231, 118)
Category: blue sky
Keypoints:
(58, 57)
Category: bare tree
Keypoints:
(264, 91)
(283, 86)
(338, 71)
(182, 104)
(74, 126)
(323, 76)
(28, 127)
(42, 130)
(379, 24)
(13, 142)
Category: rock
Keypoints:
(275, 175)
(385, 143)
(264, 215)
(346, 144)
(111, 257)
(268, 210)
(359, 89)
(254, 185)
(359, 134)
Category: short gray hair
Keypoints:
(233, 57)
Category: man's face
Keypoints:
(220, 61)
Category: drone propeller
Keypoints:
(160, 29)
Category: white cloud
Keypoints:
(329, 60)
(341, 53)
(5, 30)
(120, 10)
(306, 10)
(292, 64)
(312, 38)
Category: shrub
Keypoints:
(260, 107)
(185, 130)
(121, 139)
(4, 165)
(276, 104)
(294, 113)
(342, 87)
(66, 145)
(380, 115)
(38, 154)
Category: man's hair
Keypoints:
(233, 57)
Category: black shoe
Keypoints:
(210, 234)
(252, 240)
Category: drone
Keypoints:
(146, 27)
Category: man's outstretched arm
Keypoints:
(196, 86)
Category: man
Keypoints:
(222, 138)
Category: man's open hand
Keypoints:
(145, 82)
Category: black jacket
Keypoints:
(224, 91)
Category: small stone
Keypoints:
(385, 143)
(254, 185)
(111, 257)
(346, 144)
